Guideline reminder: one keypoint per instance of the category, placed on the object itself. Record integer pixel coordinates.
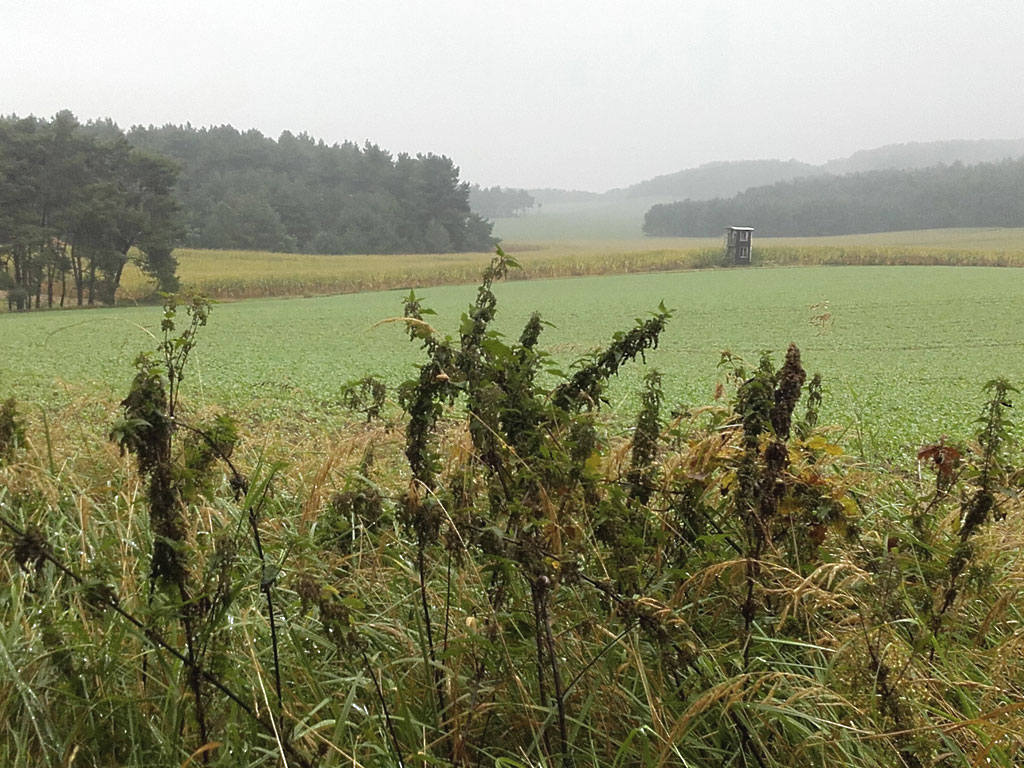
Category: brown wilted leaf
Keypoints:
(944, 457)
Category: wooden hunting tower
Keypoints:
(737, 244)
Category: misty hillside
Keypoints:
(957, 195)
(620, 212)
(718, 179)
(927, 154)
(727, 178)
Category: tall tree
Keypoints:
(244, 190)
(78, 199)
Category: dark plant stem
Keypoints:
(556, 678)
(749, 609)
(539, 636)
(267, 587)
(193, 676)
(442, 700)
(447, 606)
(384, 706)
(597, 657)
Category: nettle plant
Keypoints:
(932, 597)
(519, 503)
(568, 536)
(177, 460)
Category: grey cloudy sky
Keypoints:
(579, 94)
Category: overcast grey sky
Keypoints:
(579, 94)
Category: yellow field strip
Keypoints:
(228, 275)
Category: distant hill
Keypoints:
(718, 179)
(927, 154)
(957, 195)
(725, 178)
(618, 213)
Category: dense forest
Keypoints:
(73, 204)
(78, 200)
(982, 195)
(298, 194)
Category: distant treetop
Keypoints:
(245, 190)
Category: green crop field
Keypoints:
(904, 350)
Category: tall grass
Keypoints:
(80, 686)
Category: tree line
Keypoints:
(74, 203)
(79, 200)
(957, 195)
(298, 194)
(500, 202)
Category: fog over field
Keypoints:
(575, 95)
